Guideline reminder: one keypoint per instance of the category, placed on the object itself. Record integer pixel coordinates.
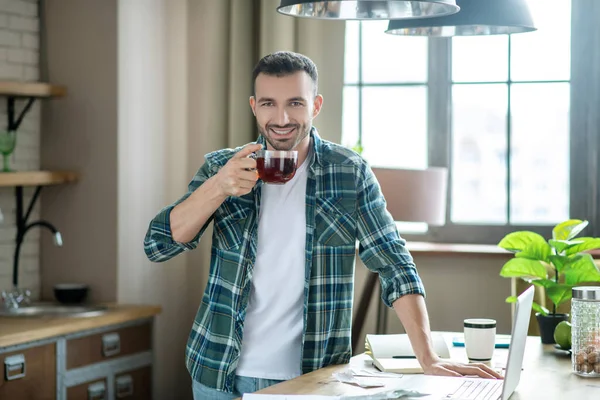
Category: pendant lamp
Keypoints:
(476, 17)
(367, 9)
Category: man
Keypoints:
(278, 302)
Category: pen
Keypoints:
(404, 357)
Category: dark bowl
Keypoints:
(70, 293)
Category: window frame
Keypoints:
(584, 135)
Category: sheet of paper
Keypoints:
(364, 382)
(254, 396)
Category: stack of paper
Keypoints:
(394, 353)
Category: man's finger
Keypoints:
(246, 163)
(468, 370)
(248, 176)
(247, 150)
(446, 372)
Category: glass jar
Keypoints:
(585, 331)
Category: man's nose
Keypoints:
(282, 117)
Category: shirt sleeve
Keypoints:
(381, 248)
(159, 245)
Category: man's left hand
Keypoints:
(449, 368)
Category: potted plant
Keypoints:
(557, 265)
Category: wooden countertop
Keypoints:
(546, 375)
(18, 330)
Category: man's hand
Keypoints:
(449, 368)
(239, 175)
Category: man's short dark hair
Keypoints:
(283, 63)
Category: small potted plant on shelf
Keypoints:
(557, 265)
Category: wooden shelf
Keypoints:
(31, 89)
(36, 178)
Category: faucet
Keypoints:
(18, 296)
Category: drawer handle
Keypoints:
(97, 391)
(124, 386)
(14, 367)
(111, 344)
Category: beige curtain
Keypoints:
(225, 40)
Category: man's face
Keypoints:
(284, 108)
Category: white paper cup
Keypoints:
(480, 338)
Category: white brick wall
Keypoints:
(19, 60)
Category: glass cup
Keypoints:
(276, 166)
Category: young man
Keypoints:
(278, 302)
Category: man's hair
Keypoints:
(283, 63)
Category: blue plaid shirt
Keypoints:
(343, 204)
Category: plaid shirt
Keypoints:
(343, 204)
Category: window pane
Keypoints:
(480, 58)
(546, 53)
(390, 58)
(351, 52)
(350, 117)
(540, 153)
(394, 126)
(479, 140)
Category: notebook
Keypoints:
(394, 353)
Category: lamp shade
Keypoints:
(415, 195)
(476, 17)
(367, 9)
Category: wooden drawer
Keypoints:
(105, 346)
(94, 390)
(134, 385)
(35, 380)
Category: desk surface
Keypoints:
(546, 375)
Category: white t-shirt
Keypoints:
(272, 338)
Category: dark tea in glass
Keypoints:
(276, 166)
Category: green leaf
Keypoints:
(559, 293)
(588, 243)
(538, 308)
(518, 241)
(584, 269)
(560, 262)
(568, 229)
(536, 251)
(562, 245)
(535, 306)
(543, 282)
(523, 268)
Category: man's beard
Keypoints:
(288, 145)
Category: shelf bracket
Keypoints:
(13, 124)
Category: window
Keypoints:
(495, 110)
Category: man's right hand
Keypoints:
(239, 175)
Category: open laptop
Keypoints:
(465, 388)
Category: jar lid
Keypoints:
(586, 292)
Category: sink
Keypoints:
(54, 310)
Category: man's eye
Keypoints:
(268, 104)
(296, 104)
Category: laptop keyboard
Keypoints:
(478, 390)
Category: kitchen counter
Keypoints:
(19, 330)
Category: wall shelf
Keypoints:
(36, 178)
(28, 91)
(31, 89)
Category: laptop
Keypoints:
(465, 388)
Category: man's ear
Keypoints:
(252, 101)
(317, 104)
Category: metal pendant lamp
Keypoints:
(367, 9)
(476, 17)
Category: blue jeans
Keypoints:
(243, 384)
